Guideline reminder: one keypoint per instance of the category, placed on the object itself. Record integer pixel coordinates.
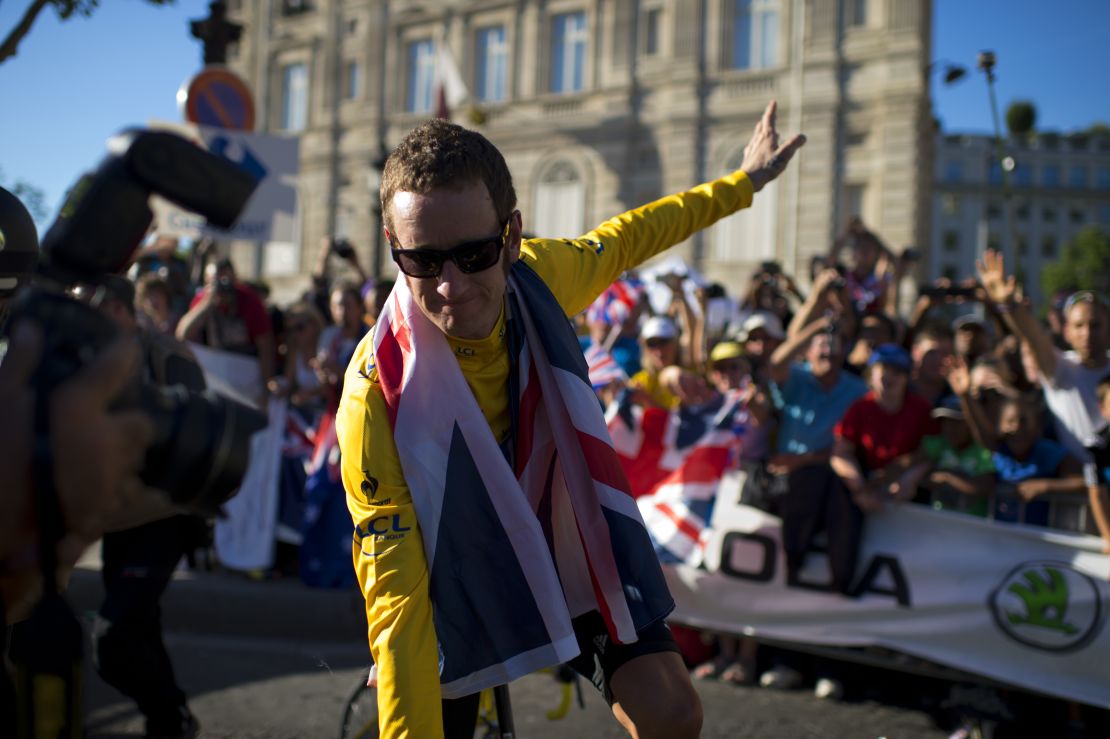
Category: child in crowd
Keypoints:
(962, 473)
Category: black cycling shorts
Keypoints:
(601, 657)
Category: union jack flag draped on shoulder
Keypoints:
(518, 540)
(675, 461)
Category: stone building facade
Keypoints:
(1059, 185)
(601, 105)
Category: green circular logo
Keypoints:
(1048, 605)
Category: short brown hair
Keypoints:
(438, 154)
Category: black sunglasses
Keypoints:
(469, 257)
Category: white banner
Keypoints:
(270, 214)
(1022, 605)
(245, 536)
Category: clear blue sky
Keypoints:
(75, 83)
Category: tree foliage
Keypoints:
(32, 197)
(65, 10)
(1084, 264)
(1021, 117)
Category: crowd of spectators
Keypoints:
(966, 403)
(302, 349)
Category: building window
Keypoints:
(1104, 213)
(294, 97)
(1023, 175)
(1077, 176)
(1048, 247)
(950, 272)
(1077, 216)
(994, 243)
(653, 19)
(855, 13)
(352, 81)
(993, 211)
(1048, 215)
(951, 241)
(995, 174)
(1050, 175)
(491, 53)
(421, 81)
(1102, 178)
(755, 30)
(953, 171)
(950, 204)
(295, 7)
(560, 208)
(1022, 212)
(568, 52)
(1021, 244)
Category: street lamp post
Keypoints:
(374, 183)
(985, 62)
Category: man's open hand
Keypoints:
(764, 159)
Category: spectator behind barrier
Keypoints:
(962, 470)
(659, 350)
(1067, 378)
(228, 315)
(875, 441)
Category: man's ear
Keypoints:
(516, 232)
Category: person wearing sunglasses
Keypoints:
(466, 545)
(1069, 378)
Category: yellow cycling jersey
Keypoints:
(387, 549)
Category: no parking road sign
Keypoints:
(219, 98)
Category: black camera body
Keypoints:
(342, 248)
(202, 441)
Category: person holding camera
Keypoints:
(138, 562)
(344, 253)
(228, 315)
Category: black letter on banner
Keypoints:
(901, 590)
(769, 552)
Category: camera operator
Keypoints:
(228, 315)
(322, 278)
(138, 562)
(98, 454)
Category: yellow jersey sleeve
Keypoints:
(389, 558)
(578, 270)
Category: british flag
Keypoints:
(615, 305)
(519, 538)
(674, 461)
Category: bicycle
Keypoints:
(495, 716)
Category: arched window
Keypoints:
(560, 206)
(749, 235)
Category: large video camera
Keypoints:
(202, 442)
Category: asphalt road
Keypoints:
(277, 689)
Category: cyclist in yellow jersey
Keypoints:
(446, 192)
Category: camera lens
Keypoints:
(202, 445)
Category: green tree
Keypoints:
(1084, 264)
(1021, 117)
(33, 198)
(64, 8)
(1098, 128)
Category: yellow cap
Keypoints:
(726, 350)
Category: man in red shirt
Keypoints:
(875, 441)
(228, 315)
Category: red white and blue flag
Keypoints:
(615, 305)
(674, 461)
(519, 537)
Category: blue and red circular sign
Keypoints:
(220, 98)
